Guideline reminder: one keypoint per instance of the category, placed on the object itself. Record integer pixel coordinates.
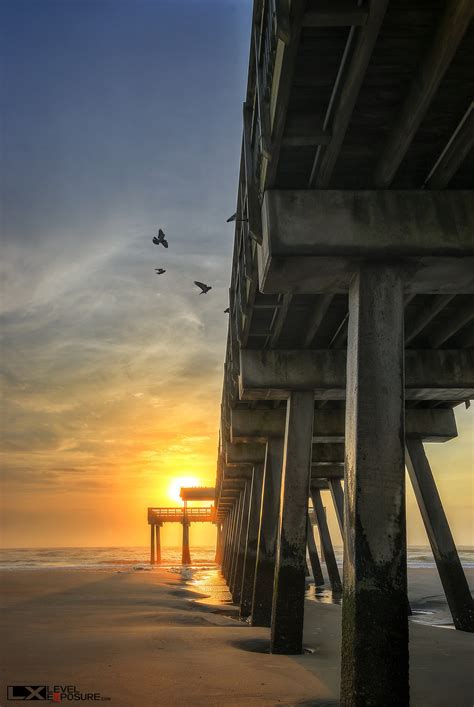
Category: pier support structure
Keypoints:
(250, 557)
(267, 534)
(152, 544)
(290, 566)
(374, 666)
(453, 579)
(326, 543)
(241, 542)
(314, 557)
(186, 553)
(158, 543)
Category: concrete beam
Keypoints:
(322, 453)
(256, 426)
(429, 374)
(327, 471)
(374, 662)
(314, 240)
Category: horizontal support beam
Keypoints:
(237, 471)
(327, 471)
(251, 426)
(454, 154)
(429, 374)
(428, 76)
(330, 13)
(315, 240)
(255, 453)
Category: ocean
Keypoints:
(137, 558)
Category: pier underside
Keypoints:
(351, 325)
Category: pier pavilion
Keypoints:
(351, 325)
(184, 515)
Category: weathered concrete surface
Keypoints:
(313, 556)
(236, 584)
(289, 586)
(250, 557)
(267, 534)
(158, 543)
(458, 595)
(440, 374)
(326, 543)
(314, 240)
(152, 544)
(245, 453)
(232, 538)
(374, 668)
(186, 554)
(256, 426)
(337, 495)
(236, 544)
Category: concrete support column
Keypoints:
(158, 543)
(289, 586)
(267, 534)
(235, 540)
(314, 557)
(337, 494)
(326, 544)
(442, 544)
(219, 541)
(228, 527)
(186, 555)
(236, 588)
(233, 533)
(374, 666)
(152, 544)
(250, 557)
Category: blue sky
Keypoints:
(117, 117)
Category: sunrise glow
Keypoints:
(176, 484)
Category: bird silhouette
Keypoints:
(226, 311)
(160, 239)
(237, 220)
(204, 288)
(159, 271)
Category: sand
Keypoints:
(139, 639)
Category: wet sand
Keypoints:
(141, 639)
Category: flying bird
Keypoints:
(234, 218)
(160, 239)
(159, 271)
(226, 311)
(204, 288)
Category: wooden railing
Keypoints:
(173, 515)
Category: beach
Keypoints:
(138, 637)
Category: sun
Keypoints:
(175, 487)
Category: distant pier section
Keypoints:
(185, 516)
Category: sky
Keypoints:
(119, 117)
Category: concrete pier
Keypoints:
(456, 588)
(314, 557)
(289, 585)
(152, 544)
(186, 553)
(250, 557)
(268, 533)
(374, 669)
(331, 264)
(158, 542)
(337, 494)
(236, 587)
(326, 543)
